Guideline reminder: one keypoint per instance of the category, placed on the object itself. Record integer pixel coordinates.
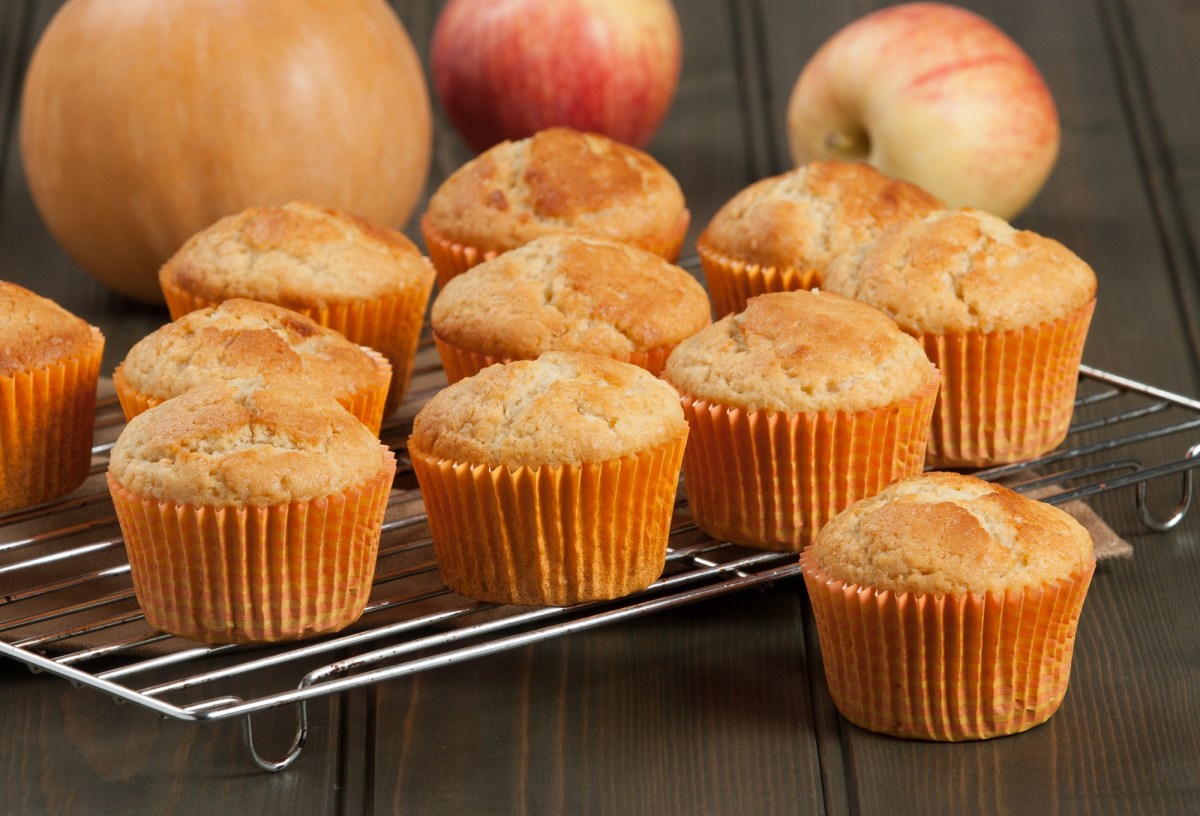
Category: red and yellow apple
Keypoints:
(505, 69)
(935, 95)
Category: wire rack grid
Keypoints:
(67, 605)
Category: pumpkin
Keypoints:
(144, 121)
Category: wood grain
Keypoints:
(722, 707)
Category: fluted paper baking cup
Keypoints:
(551, 535)
(254, 574)
(1006, 396)
(770, 479)
(732, 282)
(366, 403)
(47, 417)
(451, 258)
(946, 667)
(460, 362)
(390, 325)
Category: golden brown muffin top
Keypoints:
(808, 216)
(950, 534)
(798, 352)
(36, 332)
(562, 408)
(243, 339)
(964, 270)
(557, 180)
(245, 443)
(298, 255)
(570, 292)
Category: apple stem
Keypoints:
(848, 145)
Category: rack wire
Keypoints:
(67, 605)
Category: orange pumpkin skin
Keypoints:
(145, 121)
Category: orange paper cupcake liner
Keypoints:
(946, 667)
(551, 535)
(451, 258)
(772, 480)
(732, 282)
(367, 403)
(460, 362)
(47, 417)
(254, 574)
(390, 325)
(1006, 396)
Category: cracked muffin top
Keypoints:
(570, 293)
(964, 270)
(805, 218)
(246, 338)
(950, 534)
(558, 180)
(247, 442)
(299, 256)
(801, 351)
(562, 408)
(35, 332)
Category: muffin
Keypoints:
(550, 481)
(49, 369)
(251, 511)
(798, 406)
(1003, 313)
(558, 180)
(947, 607)
(368, 282)
(781, 233)
(242, 339)
(567, 292)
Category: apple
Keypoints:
(934, 95)
(505, 69)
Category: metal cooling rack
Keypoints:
(67, 605)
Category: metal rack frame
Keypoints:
(72, 612)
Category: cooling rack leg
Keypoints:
(1181, 509)
(293, 752)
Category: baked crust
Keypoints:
(557, 180)
(570, 293)
(801, 351)
(299, 256)
(808, 216)
(950, 534)
(244, 339)
(964, 270)
(562, 408)
(36, 332)
(249, 442)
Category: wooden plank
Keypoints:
(65, 750)
(12, 30)
(644, 717)
(1152, 52)
(1128, 733)
(698, 710)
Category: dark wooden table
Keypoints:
(721, 707)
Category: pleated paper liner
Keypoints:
(732, 282)
(952, 667)
(254, 574)
(451, 258)
(47, 417)
(551, 535)
(1006, 396)
(390, 325)
(366, 403)
(771, 480)
(460, 362)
